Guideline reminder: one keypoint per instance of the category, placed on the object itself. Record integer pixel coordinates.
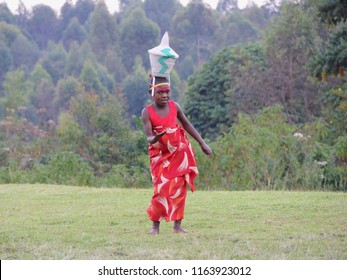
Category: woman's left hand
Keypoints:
(206, 149)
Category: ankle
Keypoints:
(177, 228)
(155, 224)
(155, 228)
(177, 224)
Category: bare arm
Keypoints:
(148, 128)
(192, 131)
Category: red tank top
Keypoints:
(161, 123)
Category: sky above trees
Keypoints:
(111, 4)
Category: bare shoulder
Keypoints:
(145, 113)
(180, 114)
(178, 107)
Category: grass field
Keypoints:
(64, 222)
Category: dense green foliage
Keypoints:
(210, 91)
(71, 83)
(333, 11)
(266, 152)
(247, 78)
(242, 80)
(332, 58)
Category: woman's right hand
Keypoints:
(156, 137)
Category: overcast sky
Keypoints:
(112, 4)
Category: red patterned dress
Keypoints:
(173, 167)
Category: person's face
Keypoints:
(162, 94)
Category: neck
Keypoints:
(160, 106)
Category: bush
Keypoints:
(65, 168)
(264, 152)
(122, 176)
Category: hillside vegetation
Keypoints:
(265, 86)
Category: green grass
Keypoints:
(64, 222)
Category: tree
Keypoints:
(69, 132)
(42, 95)
(289, 43)
(206, 101)
(186, 66)
(271, 8)
(214, 96)
(226, 6)
(90, 80)
(43, 25)
(247, 71)
(103, 30)
(67, 13)
(127, 6)
(176, 87)
(15, 93)
(334, 111)
(84, 109)
(74, 32)
(135, 89)
(333, 11)
(138, 34)
(112, 60)
(22, 16)
(24, 52)
(256, 16)
(8, 33)
(329, 66)
(112, 142)
(329, 63)
(83, 9)
(77, 55)
(6, 60)
(161, 13)
(54, 61)
(66, 89)
(5, 14)
(332, 60)
(195, 26)
(106, 78)
(234, 29)
(104, 134)
(39, 75)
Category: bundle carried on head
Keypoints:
(162, 59)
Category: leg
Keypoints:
(155, 228)
(177, 227)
